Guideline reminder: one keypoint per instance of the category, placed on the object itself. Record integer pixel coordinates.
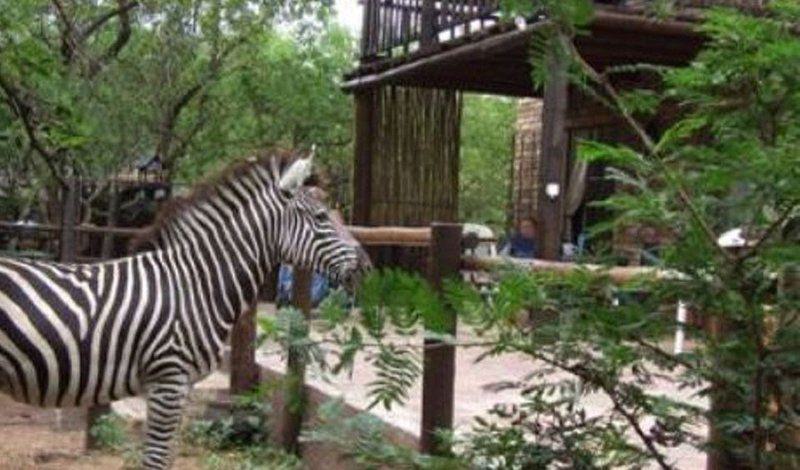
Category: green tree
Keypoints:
(88, 88)
(729, 160)
(487, 135)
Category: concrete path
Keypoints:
(473, 396)
(473, 390)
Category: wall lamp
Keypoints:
(552, 190)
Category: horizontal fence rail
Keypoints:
(394, 236)
(369, 236)
(619, 274)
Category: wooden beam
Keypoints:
(68, 253)
(391, 236)
(469, 51)
(607, 18)
(521, 88)
(439, 359)
(617, 274)
(385, 235)
(107, 248)
(555, 145)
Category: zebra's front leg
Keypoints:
(165, 402)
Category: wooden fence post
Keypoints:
(245, 373)
(294, 396)
(67, 249)
(439, 359)
(107, 248)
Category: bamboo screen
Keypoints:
(415, 156)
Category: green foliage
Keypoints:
(252, 458)
(487, 138)
(246, 426)
(110, 432)
(361, 438)
(730, 159)
(196, 83)
(565, 14)
(239, 441)
(397, 370)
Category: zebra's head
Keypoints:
(312, 235)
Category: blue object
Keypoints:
(521, 247)
(319, 286)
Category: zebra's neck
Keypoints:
(221, 245)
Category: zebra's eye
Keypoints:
(321, 217)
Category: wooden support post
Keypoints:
(369, 28)
(107, 249)
(788, 440)
(555, 145)
(294, 397)
(67, 249)
(439, 362)
(719, 458)
(245, 373)
(365, 103)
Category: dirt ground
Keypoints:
(34, 438)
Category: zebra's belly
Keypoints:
(61, 374)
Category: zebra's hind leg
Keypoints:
(165, 402)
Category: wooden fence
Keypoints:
(444, 244)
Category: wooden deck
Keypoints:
(467, 45)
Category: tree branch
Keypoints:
(123, 33)
(69, 43)
(170, 120)
(73, 39)
(122, 11)
(25, 112)
(775, 225)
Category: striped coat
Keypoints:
(156, 322)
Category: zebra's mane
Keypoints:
(274, 161)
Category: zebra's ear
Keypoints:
(297, 173)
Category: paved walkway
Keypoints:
(474, 396)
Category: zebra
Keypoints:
(156, 322)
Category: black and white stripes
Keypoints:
(157, 322)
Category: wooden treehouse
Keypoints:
(418, 56)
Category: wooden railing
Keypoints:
(400, 26)
(395, 27)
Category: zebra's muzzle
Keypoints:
(351, 274)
